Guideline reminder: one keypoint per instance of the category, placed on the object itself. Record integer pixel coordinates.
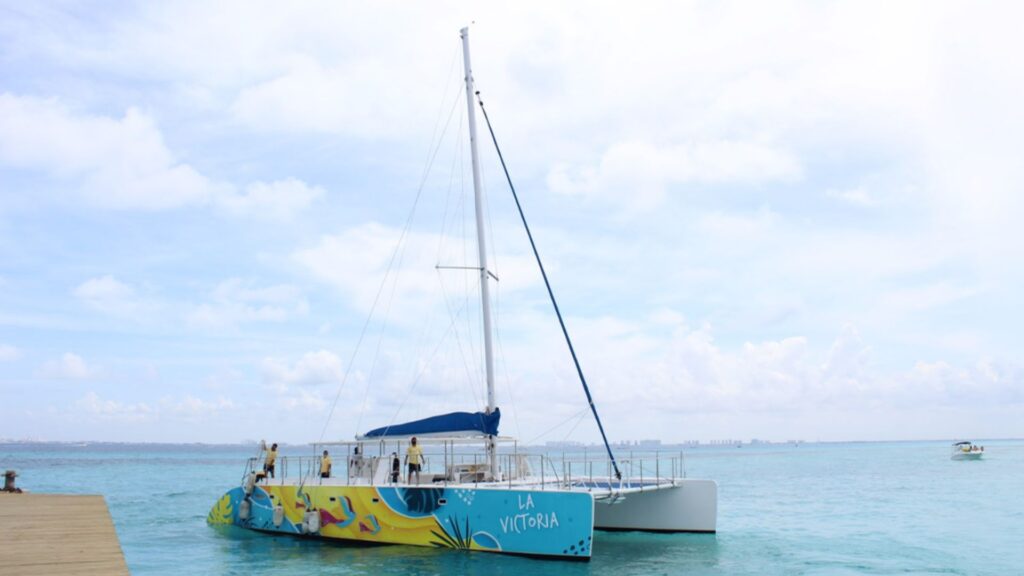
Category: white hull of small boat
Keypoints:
(976, 455)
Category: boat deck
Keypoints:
(58, 534)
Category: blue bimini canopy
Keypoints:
(454, 424)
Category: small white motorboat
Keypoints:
(966, 451)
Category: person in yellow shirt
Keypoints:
(268, 465)
(325, 466)
(414, 456)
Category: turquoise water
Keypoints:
(878, 508)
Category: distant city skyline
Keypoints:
(761, 221)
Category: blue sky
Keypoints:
(789, 221)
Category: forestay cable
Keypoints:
(551, 294)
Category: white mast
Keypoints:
(485, 293)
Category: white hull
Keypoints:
(692, 506)
(967, 456)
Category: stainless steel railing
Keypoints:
(568, 470)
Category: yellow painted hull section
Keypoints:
(542, 523)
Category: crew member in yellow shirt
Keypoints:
(325, 466)
(268, 465)
(414, 456)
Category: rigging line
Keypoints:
(423, 370)
(498, 315)
(493, 246)
(498, 312)
(402, 248)
(476, 372)
(551, 294)
(380, 341)
(449, 208)
(465, 258)
(504, 363)
(582, 412)
(574, 426)
(441, 241)
(444, 98)
(490, 223)
(451, 186)
(387, 272)
(470, 289)
(475, 392)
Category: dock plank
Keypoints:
(58, 534)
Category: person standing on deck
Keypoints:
(325, 466)
(414, 456)
(268, 465)
(396, 467)
(355, 463)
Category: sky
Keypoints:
(222, 221)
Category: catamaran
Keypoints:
(477, 490)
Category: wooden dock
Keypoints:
(58, 534)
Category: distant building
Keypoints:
(563, 444)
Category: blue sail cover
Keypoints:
(454, 424)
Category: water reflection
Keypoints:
(615, 553)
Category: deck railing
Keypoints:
(565, 471)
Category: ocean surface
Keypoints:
(857, 508)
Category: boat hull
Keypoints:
(690, 506)
(537, 523)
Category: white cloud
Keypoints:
(235, 301)
(223, 378)
(188, 408)
(637, 174)
(92, 405)
(855, 196)
(928, 105)
(934, 295)
(313, 369)
(280, 200)
(120, 163)
(69, 367)
(987, 383)
(667, 316)
(357, 262)
(303, 400)
(124, 164)
(738, 228)
(307, 97)
(666, 385)
(9, 353)
(110, 295)
(845, 371)
(306, 385)
(191, 408)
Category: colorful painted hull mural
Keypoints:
(541, 523)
